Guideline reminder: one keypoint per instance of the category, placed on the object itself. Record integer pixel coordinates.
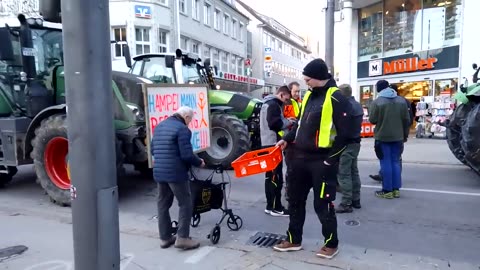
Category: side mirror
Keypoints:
(475, 66)
(126, 53)
(170, 61)
(6, 47)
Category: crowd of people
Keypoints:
(320, 137)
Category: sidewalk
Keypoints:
(50, 247)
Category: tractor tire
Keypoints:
(470, 140)
(454, 131)
(230, 139)
(50, 150)
(6, 178)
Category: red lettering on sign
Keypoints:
(167, 102)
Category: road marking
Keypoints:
(432, 191)
(198, 256)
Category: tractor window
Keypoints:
(190, 74)
(49, 47)
(16, 65)
(156, 70)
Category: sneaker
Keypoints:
(356, 204)
(396, 193)
(268, 212)
(384, 195)
(186, 243)
(287, 246)
(326, 252)
(377, 177)
(282, 213)
(343, 208)
(167, 243)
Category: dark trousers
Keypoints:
(303, 174)
(348, 176)
(181, 191)
(273, 188)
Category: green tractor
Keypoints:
(33, 126)
(463, 127)
(234, 116)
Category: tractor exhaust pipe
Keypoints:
(26, 44)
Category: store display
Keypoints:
(432, 114)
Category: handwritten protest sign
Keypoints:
(162, 100)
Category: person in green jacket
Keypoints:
(389, 114)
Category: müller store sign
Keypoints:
(410, 63)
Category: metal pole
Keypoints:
(329, 35)
(88, 75)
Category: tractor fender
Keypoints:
(220, 109)
(37, 120)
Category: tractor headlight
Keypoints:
(138, 115)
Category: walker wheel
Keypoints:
(174, 227)
(214, 235)
(234, 223)
(195, 219)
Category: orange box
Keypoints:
(257, 161)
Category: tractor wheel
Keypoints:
(50, 153)
(50, 156)
(230, 140)
(470, 140)
(5, 178)
(454, 131)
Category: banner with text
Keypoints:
(162, 101)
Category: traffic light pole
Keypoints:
(329, 35)
(88, 68)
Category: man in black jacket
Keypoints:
(272, 127)
(317, 142)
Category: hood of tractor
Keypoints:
(241, 105)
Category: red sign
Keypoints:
(408, 65)
(247, 62)
(238, 78)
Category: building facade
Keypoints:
(425, 47)
(212, 29)
(277, 54)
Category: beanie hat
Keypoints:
(317, 69)
(382, 84)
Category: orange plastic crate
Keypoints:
(257, 161)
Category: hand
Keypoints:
(282, 144)
(203, 163)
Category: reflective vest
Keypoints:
(327, 130)
(296, 108)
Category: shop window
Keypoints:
(447, 18)
(370, 32)
(402, 24)
(446, 87)
(413, 91)
(366, 95)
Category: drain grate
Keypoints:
(352, 223)
(265, 239)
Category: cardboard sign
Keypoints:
(163, 100)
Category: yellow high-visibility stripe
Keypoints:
(296, 109)
(322, 191)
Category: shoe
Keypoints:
(384, 195)
(396, 193)
(268, 212)
(343, 208)
(356, 204)
(377, 177)
(287, 246)
(326, 252)
(186, 243)
(167, 243)
(282, 213)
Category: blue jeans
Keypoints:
(390, 165)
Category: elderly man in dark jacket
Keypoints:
(173, 156)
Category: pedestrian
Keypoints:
(317, 143)
(389, 114)
(292, 107)
(348, 176)
(173, 157)
(272, 127)
(378, 177)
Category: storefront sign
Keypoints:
(408, 65)
(143, 12)
(238, 78)
(375, 68)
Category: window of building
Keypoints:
(183, 43)
(445, 29)
(206, 13)
(216, 58)
(142, 40)
(234, 28)
(119, 34)
(446, 87)
(224, 67)
(196, 10)
(240, 66)
(163, 2)
(162, 41)
(240, 32)
(216, 19)
(233, 63)
(226, 24)
(183, 7)
(195, 47)
(370, 32)
(206, 52)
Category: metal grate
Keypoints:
(265, 239)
